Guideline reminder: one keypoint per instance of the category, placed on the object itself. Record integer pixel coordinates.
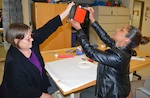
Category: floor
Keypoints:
(144, 72)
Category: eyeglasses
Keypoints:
(28, 37)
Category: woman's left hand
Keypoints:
(91, 14)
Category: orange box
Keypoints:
(80, 14)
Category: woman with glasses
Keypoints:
(24, 72)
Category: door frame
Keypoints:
(142, 13)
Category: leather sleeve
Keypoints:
(102, 34)
(107, 57)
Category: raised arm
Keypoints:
(66, 12)
(99, 30)
(51, 26)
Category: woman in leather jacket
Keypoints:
(113, 63)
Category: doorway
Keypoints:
(138, 11)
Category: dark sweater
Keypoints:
(21, 78)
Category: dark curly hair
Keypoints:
(136, 37)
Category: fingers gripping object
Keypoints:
(77, 13)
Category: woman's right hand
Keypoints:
(67, 10)
(75, 24)
(46, 95)
(70, 6)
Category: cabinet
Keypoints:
(110, 18)
(43, 12)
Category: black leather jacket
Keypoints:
(113, 65)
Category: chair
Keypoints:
(134, 53)
(141, 88)
(135, 74)
(144, 92)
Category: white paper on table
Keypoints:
(137, 58)
(69, 73)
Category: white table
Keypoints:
(71, 74)
(49, 56)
